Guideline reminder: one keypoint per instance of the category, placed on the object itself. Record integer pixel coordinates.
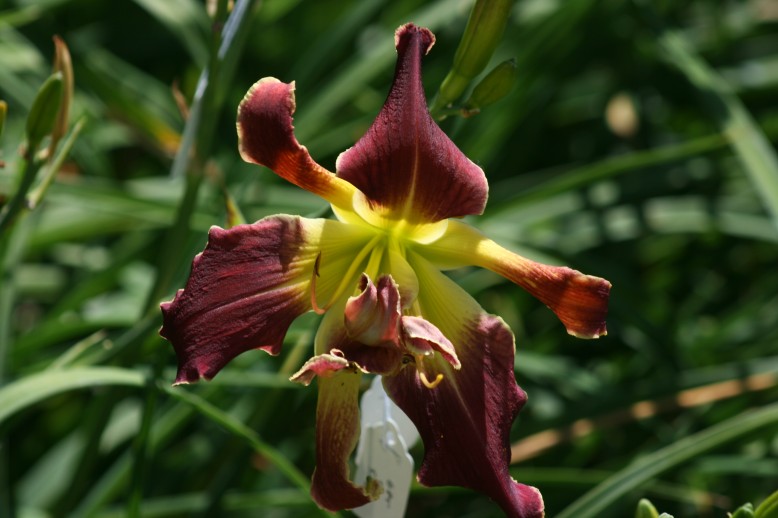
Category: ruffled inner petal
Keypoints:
(466, 419)
(332, 334)
(266, 137)
(373, 316)
(246, 288)
(405, 165)
(422, 338)
(580, 301)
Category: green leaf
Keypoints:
(598, 499)
(768, 508)
(725, 107)
(744, 511)
(28, 391)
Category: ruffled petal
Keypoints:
(422, 338)
(466, 419)
(337, 431)
(380, 359)
(373, 316)
(247, 287)
(322, 365)
(405, 165)
(266, 137)
(580, 301)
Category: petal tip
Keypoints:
(409, 30)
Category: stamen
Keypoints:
(430, 384)
(314, 305)
(343, 283)
(352, 271)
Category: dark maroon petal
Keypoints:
(266, 136)
(337, 431)
(405, 165)
(465, 420)
(244, 291)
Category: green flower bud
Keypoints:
(646, 509)
(63, 65)
(496, 85)
(483, 32)
(45, 107)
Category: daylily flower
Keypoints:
(375, 274)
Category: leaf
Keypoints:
(28, 391)
(633, 476)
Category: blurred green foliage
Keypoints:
(638, 144)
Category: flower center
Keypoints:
(364, 214)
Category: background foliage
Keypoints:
(637, 145)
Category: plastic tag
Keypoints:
(376, 407)
(385, 458)
(382, 453)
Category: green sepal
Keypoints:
(497, 84)
(45, 107)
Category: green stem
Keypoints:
(28, 170)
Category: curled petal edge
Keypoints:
(262, 273)
(266, 137)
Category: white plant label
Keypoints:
(382, 453)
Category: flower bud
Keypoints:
(483, 32)
(496, 85)
(646, 509)
(64, 66)
(45, 107)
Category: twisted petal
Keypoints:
(466, 419)
(405, 165)
(580, 301)
(337, 431)
(266, 137)
(247, 287)
(373, 316)
(380, 358)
